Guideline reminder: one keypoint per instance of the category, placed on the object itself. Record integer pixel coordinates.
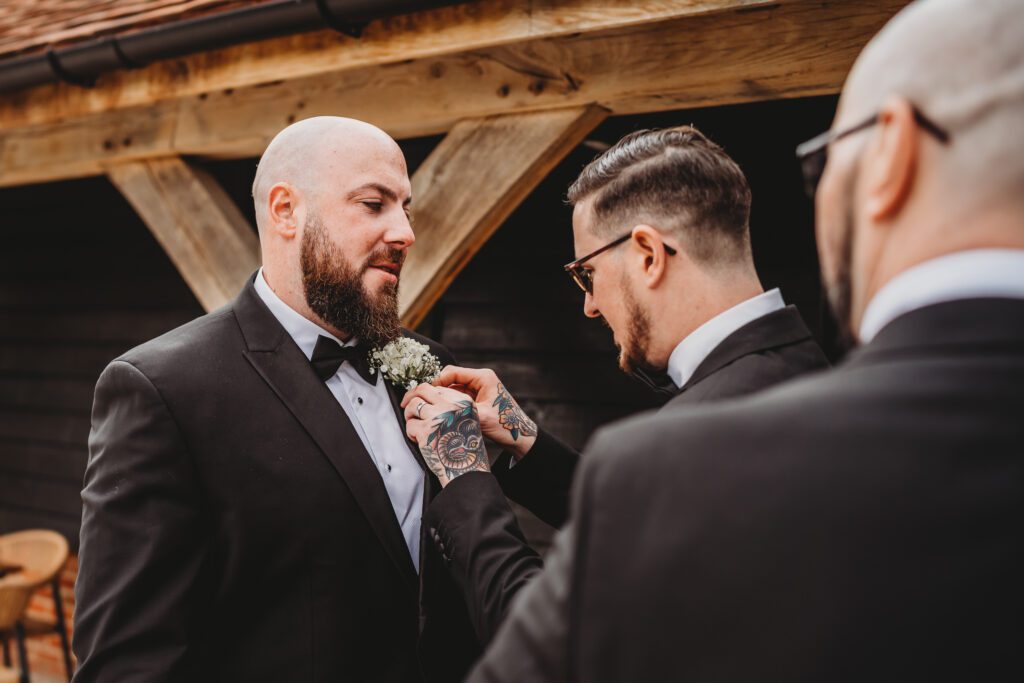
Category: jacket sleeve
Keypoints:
(535, 640)
(142, 541)
(479, 539)
(541, 480)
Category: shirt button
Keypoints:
(389, 468)
(359, 400)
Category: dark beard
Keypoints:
(840, 292)
(334, 290)
(633, 352)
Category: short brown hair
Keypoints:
(678, 179)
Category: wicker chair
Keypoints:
(14, 597)
(41, 554)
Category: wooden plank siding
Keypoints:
(81, 281)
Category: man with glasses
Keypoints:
(862, 524)
(661, 226)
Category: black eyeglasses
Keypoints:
(585, 278)
(813, 154)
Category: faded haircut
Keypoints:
(677, 180)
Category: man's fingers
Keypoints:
(425, 402)
(412, 428)
(474, 380)
(416, 397)
(425, 392)
(463, 389)
(442, 394)
(417, 408)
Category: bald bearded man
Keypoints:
(862, 524)
(251, 504)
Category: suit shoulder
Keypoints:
(693, 440)
(771, 367)
(758, 371)
(182, 347)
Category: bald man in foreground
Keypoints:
(251, 504)
(863, 524)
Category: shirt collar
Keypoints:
(974, 274)
(691, 351)
(304, 331)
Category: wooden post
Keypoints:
(471, 183)
(210, 242)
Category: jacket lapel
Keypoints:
(286, 370)
(780, 328)
(990, 323)
(396, 395)
(431, 487)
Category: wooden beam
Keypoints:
(421, 35)
(197, 224)
(470, 184)
(799, 48)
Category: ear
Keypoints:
(891, 162)
(647, 242)
(282, 209)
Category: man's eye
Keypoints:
(373, 206)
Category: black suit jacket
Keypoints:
(762, 353)
(859, 525)
(235, 528)
(478, 531)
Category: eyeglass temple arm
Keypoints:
(930, 126)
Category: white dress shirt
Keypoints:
(979, 273)
(691, 352)
(370, 410)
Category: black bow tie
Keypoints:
(328, 355)
(658, 382)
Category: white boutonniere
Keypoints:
(405, 363)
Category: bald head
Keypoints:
(961, 62)
(332, 202)
(899, 192)
(309, 153)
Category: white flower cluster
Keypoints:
(406, 362)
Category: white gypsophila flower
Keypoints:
(406, 362)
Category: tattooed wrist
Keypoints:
(511, 417)
(456, 445)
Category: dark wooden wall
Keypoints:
(82, 281)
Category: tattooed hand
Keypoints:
(501, 418)
(445, 425)
(511, 417)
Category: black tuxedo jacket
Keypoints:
(762, 353)
(859, 525)
(476, 529)
(236, 529)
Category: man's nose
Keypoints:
(589, 307)
(400, 234)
